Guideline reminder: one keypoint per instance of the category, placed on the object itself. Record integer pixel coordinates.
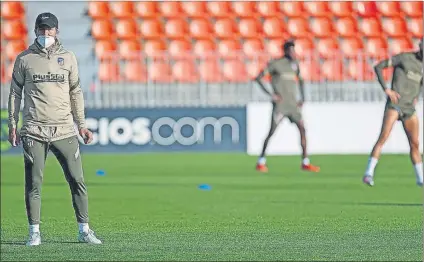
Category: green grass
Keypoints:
(148, 207)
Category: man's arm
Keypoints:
(15, 95)
(393, 61)
(76, 94)
(258, 80)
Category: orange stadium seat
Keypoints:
(179, 48)
(274, 28)
(415, 27)
(395, 27)
(333, 70)
(176, 28)
(268, 9)
(154, 48)
(219, 9)
(346, 27)
(147, 9)
(376, 47)
(303, 47)
(310, 70)
(135, 71)
(229, 48)
(244, 8)
(126, 29)
(235, 71)
(250, 28)
(365, 9)
(194, 9)
(360, 70)
(204, 48)
(98, 10)
(210, 71)
(370, 27)
(225, 28)
(14, 29)
(316, 8)
(105, 49)
(185, 71)
(254, 67)
(200, 28)
(253, 47)
(328, 48)
(298, 27)
(322, 27)
(130, 49)
(12, 10)
(109, 72)
(412, 8)
(3, 72)
(160, 72)
(170, 9)
(351, 47)
(122, 9)
(292, 9)
(341, 8)
(13, 48)
(9, 71)
(388, 8)
(102, 29)
(401, 44)
(274, 47)
(151, 28)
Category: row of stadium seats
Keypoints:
(247, 28)
(217, 71)
(171, 9)
(374, 47)
(13, 36)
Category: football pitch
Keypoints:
(148, 207)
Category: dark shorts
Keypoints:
(404, 113)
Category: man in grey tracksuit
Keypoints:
(47, 75)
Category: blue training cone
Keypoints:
(204, 187)
(100, 172)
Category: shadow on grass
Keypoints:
(13, 243)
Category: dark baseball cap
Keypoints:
(46, 19)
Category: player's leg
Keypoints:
(68, 154)
(35, 153)
(276, 119)
(412, 130)
(306, 165)
(390, 118)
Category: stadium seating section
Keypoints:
(232, 41)
(13, 36)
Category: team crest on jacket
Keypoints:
(294, 66)
(60, 61)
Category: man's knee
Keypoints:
(415, 145)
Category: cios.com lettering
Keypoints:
(141, 130)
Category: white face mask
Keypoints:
(45, 41)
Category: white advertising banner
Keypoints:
(332, 128)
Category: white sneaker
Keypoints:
(368, 180)
(34, 239)
(88, 237)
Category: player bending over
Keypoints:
(284, 72)
(401, 100)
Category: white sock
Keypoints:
(306, 161)
(372, 163)
(34, 228)
(83, 227)
(262, 161)
(419, 172)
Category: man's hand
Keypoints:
(276, 98)
(394, 96)
(86, 135)
(13, 137)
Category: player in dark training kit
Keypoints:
(407, 82)
(284, 74)
(47, 75)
